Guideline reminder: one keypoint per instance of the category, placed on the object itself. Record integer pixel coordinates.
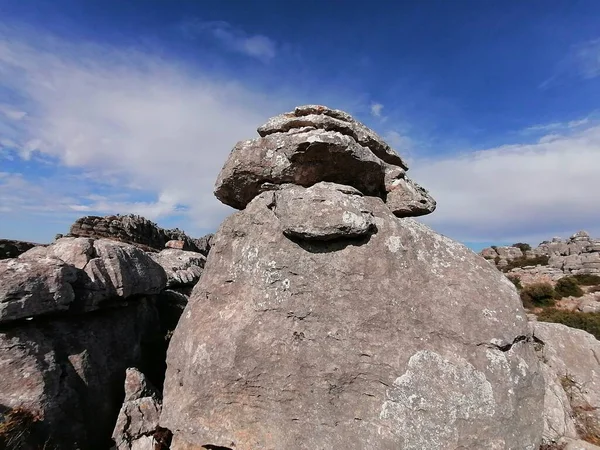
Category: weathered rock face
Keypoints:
(135, 230)
(571, 367)
(182, 268)
(93, 308)
(137, 425)
(314, 144)
(324, 321)
(70, 370)
(76, 275)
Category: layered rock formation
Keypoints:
(323, 320)
(136, 230)
(74, 316)
(578, 254)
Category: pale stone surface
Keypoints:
(31, 287)
(303, 159)
(323, 118)
(182, 268)
(331, 210)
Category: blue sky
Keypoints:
(133, 106)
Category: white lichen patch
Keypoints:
(490, 315)
(394, 244)
(355, 220)
(426, 405)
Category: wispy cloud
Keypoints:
(581, 62)
(587, 55)
(142, 121)
(233, 39)
(376, 109)
(556, 126)
(524, 191)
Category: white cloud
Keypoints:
(144, 121)
(581, 62)
(587, 57)
(543, 128)
(234, 39)
(376, 109)
(529, 191)
(11, 113)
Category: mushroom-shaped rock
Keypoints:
(395, 338)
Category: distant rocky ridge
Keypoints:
(11, 248)
(138, 231)
(579, 254)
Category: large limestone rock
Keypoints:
(32, 287)
(315, 329)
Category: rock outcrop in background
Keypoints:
(578, 254)
(327, 318)
(74, 315)
(138, 231)
(11, 249)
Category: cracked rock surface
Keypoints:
(324, 321)
(137, 424)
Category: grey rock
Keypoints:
(31, 287)
(138, 419)
(406, 198)
(131, 229)
(572, 358)
(398, 339)
(331, 210)
(323, 118)
(303, 159)
(120, 270)
(11, 249)
(182, 268)
(70, 370)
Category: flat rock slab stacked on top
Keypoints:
(313, 144)
(323, 321)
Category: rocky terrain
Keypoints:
(576, 255)
(323, 317)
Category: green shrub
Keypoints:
(589, 322)
(538, 294)
(523, 247)
(587, 279)
(567, 287)
(522, 262)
